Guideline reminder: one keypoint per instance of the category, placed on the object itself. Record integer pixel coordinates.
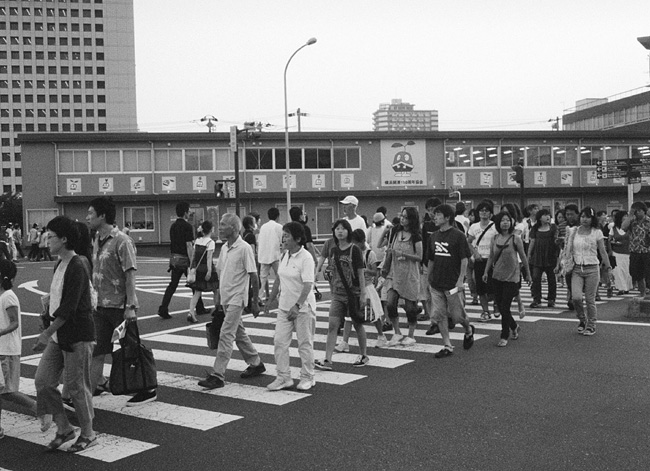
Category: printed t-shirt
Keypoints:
(446, 250)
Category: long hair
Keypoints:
(591, 214)
(413, 218)
(618, 218)
(499, 217)
(538, 218)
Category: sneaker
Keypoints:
(551, 304)
(362, 360)
(570, 305)
(515, 332)
(581, 327)
(502, 343)
(408, 342)
(475, 302)
(423, 317)
(279, 384)
(382, 342)
(468, 340)
(306, 384)
(142, 398)
(211, 382)
(68, 404)
(535, 305)
(164, 313)
(386, 327)
(497, 314)
(342, 347)
(589, 331)
(395, 340)
(447, 351)
(432, 330)
(253, 371)
(324, 365)
(485, 316)
(46, 422)
(101, 389)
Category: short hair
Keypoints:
(432, 203)
(485, 205)
(540, 213)
(63, 226)
(248, 222)
(591, 214)
(231, 219)
(460, 208)
(639, 205)
(206, 227)
(499, 217)
(295, 212)
(273, 213)
(8, 271)
(296, 230)
(255, 214)
(382, 210)
(618, 217)
(473, 213)
(182, 208)
(346, 225)
(601, 213)
(104, 206)
(358, 235)
(447, 211)
(571, 207)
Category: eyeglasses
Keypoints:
(483, 210)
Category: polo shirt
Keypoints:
(295, 270)
(235, 263)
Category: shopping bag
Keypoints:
(213, 329)
(134, 368)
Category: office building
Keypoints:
(400, 116)
(65, 66)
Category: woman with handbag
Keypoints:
(402, 273)
(620, 243)
(506, 250)
(347, 289)
(296, 309)
(584, 244)
(203, 275)
(68, 341)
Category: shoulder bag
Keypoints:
(478, 241)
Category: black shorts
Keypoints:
(106, 320)
(639, 266)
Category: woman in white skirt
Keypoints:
(620, 242)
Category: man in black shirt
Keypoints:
(181, 235)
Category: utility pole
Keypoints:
(298, 114)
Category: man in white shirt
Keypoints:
(375, 235)
(350, 204)
(269, 244)
(480, 237)
(460, 216)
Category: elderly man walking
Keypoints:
(236, 268)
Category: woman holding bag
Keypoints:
(203, 270)
(296, 309)
(347, 290)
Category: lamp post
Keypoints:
(286, 127)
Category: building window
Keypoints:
(88, 41)
(76, 42)
(140, 218)
(198, 159)
(565, 156)
(259, 159)
(318, 158)
(90, 113)
(90, 99)
(65, 112)
(54, 127)
(167, 160)
(105, 161)
(589, 155)
(78, 113)
(73, 161)
(136, 160)
(538, 156)
(613, 153)
(485, 156)
(66, 127)
(511, 155)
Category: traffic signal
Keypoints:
(219, 192)
(519, 171)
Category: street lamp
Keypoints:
(286, 127)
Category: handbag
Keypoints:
(566, 257)
(134, 368)
(354, 303)
(191, 275)
(213, 329)
(179, 262)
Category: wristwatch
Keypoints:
(132, 306)
(298, 306)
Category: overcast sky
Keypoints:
(483, 64)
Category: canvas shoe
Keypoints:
(211, 382)
(502, 343)
(468, 340)
(306, 384)
(446, 351)
(142, 398)
(485, 317)
(408, 342)
(252, 371)
(342, 347)
(324, 365)
(395, 340)
(279, 384)
(382, 342)
(362, 360)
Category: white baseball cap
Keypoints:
(350, 200)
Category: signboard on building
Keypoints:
(539, 177)
(318, 180)
(293, 180)
(566, 177)
(106, 185)
(259, 182)
(403, 163)
(347, 180)
(73, 185)
(168, 183)
(458, 179)
(199, 183)
(137, 184)
(487, 179)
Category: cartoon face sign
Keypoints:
(403, 160)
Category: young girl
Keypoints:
(10, 346)
(369, 274)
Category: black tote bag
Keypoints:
(134, 368)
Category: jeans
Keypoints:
(233, 330)
(305, 326)
(504, 293)
(585, 277)
(171, 289)
(75, 366)
(536, 288)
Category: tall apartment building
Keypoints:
(399, 116)
(65, 66)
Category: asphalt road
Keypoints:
(552, 400)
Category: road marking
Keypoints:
(109, 448)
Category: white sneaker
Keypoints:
(342, 347)
(306, 384)
(408, 342)
(395, 340)
(382, 342)
(279, 384)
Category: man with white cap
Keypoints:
(350, 204)
(375, 235)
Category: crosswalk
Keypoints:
(178, 349)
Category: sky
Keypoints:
(483, 64)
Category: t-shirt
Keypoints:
(293, 271)
(10, 343)
(428, 228)
(357, 223)
(475, 230)
(447, 249)
(351, 260)
(180, 233)
(269, 242)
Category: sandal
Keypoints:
(60, 439)
(82, 443)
